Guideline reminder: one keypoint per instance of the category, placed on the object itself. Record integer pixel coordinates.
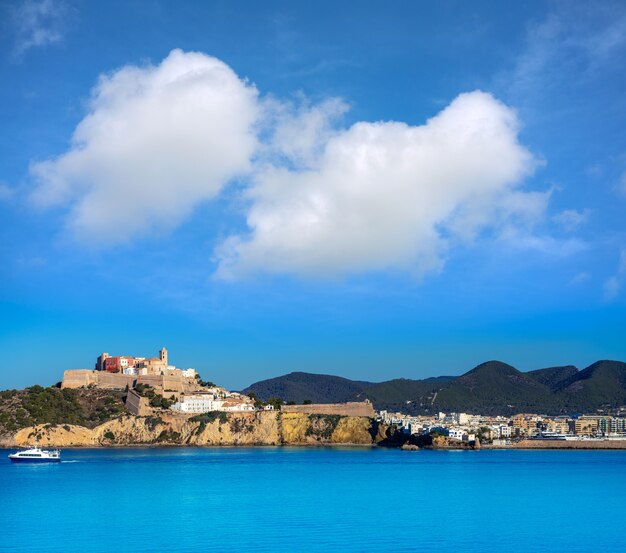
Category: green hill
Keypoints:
(599, 386)
(301, 386)
(490, 388)
(400, 394)
(553, 376)
(493, 387)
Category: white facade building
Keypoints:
(197, 403)
(456, 433)
(504, 431)
(205, 402)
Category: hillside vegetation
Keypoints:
(301, 386)
(490, 388)
(39, 405)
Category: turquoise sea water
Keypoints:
(296, 499)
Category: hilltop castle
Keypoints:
(120, 371)
(141, 366)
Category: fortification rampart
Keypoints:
(350, 409)
(83, 378)
(168, 385)
(136, 404)
(78, 378)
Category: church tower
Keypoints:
(163, 356)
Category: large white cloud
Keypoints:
(387, 195)
(157, 141)
(320, 200)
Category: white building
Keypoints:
(456, 433)
(504, 431)
(198, 403)
(205, 402)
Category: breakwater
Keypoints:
(563, 444)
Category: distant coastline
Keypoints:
(134, 401)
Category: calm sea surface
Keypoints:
(295, 499)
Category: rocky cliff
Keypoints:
(211, 429)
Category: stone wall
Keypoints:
(114, 381)
(136, 404)
(176, 384)
(565, 444)
(82, 378)
(79, 378)
(350, 409)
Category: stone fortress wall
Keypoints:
(83, 378)
(136, 404)
(350, 409)
(168, 385)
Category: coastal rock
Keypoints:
(47, 435)
(257, 428)
(210, 429)
(353, 430)
(300, 428)
(444, 442)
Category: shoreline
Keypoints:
(202, 446)
(617, 445)
(561, 444)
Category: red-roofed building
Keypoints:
(118, 363)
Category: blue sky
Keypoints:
(366, 191)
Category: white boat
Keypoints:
(36, 455)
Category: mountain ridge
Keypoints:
(492, 387)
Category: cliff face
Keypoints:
(212, 429)
(299, 428)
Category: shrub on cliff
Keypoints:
(211, 416)
(204, 383)
(239, 425)
(153, 422)
(160, 402)
(275, 402)
(322, 426)
(39, 405)
(168, 436)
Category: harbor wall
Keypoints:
(565, 444)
